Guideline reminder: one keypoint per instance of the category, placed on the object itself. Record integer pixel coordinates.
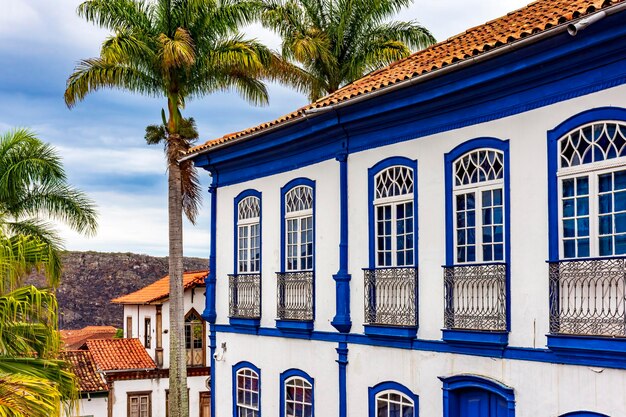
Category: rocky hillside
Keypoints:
(91, 279)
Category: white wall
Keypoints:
(92, 406)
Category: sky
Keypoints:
(101, 140)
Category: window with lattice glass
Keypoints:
(394, 217)
(394, 404)
(194, 339)
(478, 198)
(592, 190)
(249, 235)
(247, 392)
(139, 404)
(299, 229)
(298, 398)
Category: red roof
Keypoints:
(75, 339)
(84, 367)
(530, 20)
(160, 290)
(119, 354)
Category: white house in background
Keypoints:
(134, 370)
(443, 237)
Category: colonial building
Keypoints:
(133, 371)
(443, 237)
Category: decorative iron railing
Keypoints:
(588, 297)
(391, 296)
(475, 297)
(245, 296)
(295, 295)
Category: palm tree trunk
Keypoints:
(178, 395)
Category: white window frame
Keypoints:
(247, 266)
(307, 386)
(393, 202)
(592, 171)
(298, 217)
(405, 401)
(247, 407)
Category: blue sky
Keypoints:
(101, 139)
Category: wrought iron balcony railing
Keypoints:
(391, 296)
(295, 295)
(245, 296)
(587, 297)
(475, 297)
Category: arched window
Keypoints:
(394, 217)
(390, 399)
(583, 414)
(478, 198)
(465, 394)
(249, 235)
(296, 394)
(194, 339)
(592, 190)
(298, 208)
(247, 401)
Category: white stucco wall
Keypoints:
(92, 406)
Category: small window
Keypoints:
(129, 327)
(298, 398)
(194, 339)
(247, 391)
(299, 229)
(394, 404)
(139, 404)
(249, 235)
(394, 217)
(147, 333)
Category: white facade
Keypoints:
(93, 406)
(530, 375)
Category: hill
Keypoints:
(91, 279)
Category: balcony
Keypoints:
(391, 302)
(475, 304)
(294, 304)
(244, 307)
(587, 306)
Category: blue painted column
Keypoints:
(342, 352)
(342, 321)
(212, 346)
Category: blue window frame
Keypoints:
(246, 390)
(583, 414)
(248, 232)
(482, 396)
(393, 213)
(298, 225)
(587, 185)
(390, 399)
(297, 390)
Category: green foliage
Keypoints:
(119, 334)
(338, 42)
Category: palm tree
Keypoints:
(338, 42)
(33, 381)
(178, 50)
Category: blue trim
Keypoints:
(453, 384)
(390, 333)
(372, 392)
(210, 313)
(550, 71)
(342, 360)
(295, 326)
(244, 323)
(237, 367)
(425, 345)
(371, 174)
(597, 348)
(290, 373)
(241, 196)
(212, 348)
(449, 158)
(476, 338)
(589, 116)
(342, 321)
(283, 191)
(583, 414)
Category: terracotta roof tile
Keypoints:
(84, 367)
(119, 354)
(529, 20)
(159, 290)
(75, 339)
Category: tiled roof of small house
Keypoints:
(84, 367)
(75, 339)
(159, 290)
(119, 354)
(527, 21)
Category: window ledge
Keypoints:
(588, 347)
(476, 338)
(377, 331)
(244, 323)
(295, 326)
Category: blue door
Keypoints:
(480, 403)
